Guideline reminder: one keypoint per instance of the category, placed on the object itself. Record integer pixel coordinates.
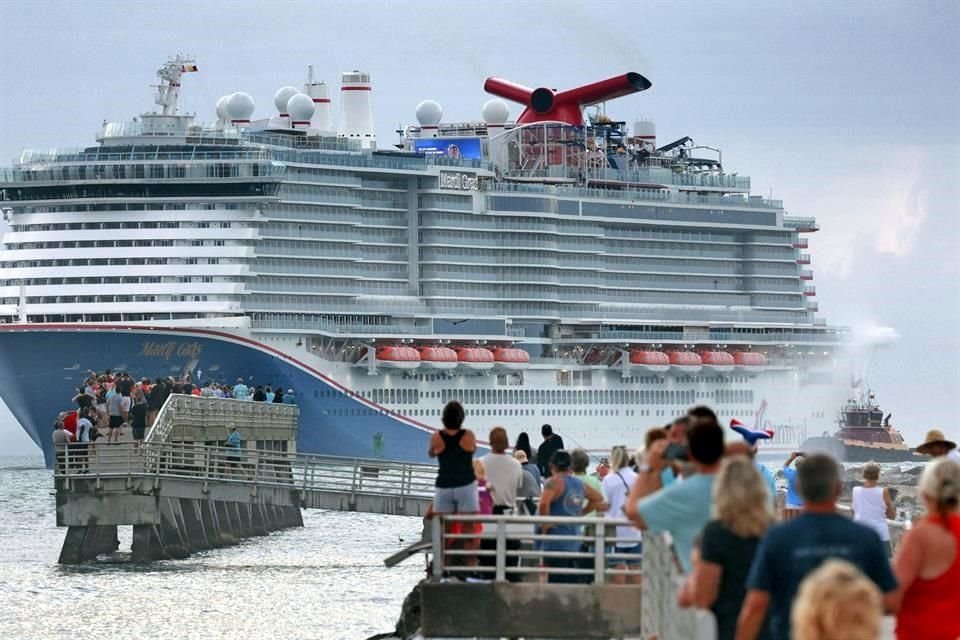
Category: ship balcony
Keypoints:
(802, 225)
(803, 258)
(812, 305)
(801, 243)
(806, 274)
(809, 291)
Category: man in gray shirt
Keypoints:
(61, 440)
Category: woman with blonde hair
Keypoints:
(728, 543)
(837, 602)
(928, 562)
(616, 488)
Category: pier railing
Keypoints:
(510, 549)
(306, 473)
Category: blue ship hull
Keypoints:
(41, 366)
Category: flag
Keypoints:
(750, 435)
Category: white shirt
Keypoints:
(83, 430)
(504, 476)
(870, 510)
(954, 454)
(616, 488)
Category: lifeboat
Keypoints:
(438, 358)
(476, 358)
(717, 361)
(685, 362)
(398, 357)
(511, 358)
(653, 361)
(749, 361)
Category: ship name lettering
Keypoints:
(167, 350)
(459, 181)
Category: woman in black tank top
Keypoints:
(456, 464)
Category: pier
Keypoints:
(183, 491)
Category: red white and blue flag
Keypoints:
(750, 435)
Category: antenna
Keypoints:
(168, 91)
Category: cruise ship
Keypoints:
(553, 267)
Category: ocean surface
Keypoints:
(325, 581)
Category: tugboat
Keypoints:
(864, 435)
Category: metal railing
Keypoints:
(179, 409)
(188, 461)
(515, 549)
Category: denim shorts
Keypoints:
(636, 555)
(465, 499)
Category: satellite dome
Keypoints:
(495, 111)
(222, 107)
(300, 107)
(429, 113)
(282, 96)
(240, 106)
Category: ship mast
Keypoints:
(168, 91)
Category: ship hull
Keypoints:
(40, 369)
(847, 451)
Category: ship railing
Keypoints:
(208, 463)
(510, 548)
(653, 195)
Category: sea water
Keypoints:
(323, 581)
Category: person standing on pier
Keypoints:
(795, 548)
(234, 445)
(456, 485)
(565, 495)
(61, 440)
(794, 504)
(240, 390)
(928, 561)
(682, 508)
(936, 445)
(530, 461)
(872, 504)
(551, 443)
(616, 488)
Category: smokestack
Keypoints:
(566, 106)
(356, 108)
(320, 94)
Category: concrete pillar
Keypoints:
(192, 524)
(257, 521)
(296, 516)
(211, 527)
(228, 534)
(236, 514)
(82, 544)
(147, 545)
(174, 540)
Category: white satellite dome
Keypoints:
(282, 96)
(300, 107)
(222, 107)
(240, 106)
(429, 113)
(495, 111)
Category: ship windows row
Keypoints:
(134, 206)
(507, 396)
(152, 171)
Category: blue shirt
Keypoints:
(568, 503)
(270, 396)
(233, 440)
(793, 549)
(793, 498)
(683, 508)
(240, 392)
(771, 483)
(289, 399)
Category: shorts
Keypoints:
(116, 421)
(636, 555)
(139, 433)
(465, 499)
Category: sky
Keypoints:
(849, 112)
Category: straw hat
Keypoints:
(935, 436)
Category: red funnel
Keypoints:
(567, 106)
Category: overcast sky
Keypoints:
(846, 110)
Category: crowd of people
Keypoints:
(816, 574)
(111, 404)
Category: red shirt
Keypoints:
(929, 608)
(70, 424)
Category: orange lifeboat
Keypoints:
(653, 361)
(438, 357)
(685, 362)
(511, 358)
(476, 358)
(717, 361)
(398, 357)
(750, 361)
